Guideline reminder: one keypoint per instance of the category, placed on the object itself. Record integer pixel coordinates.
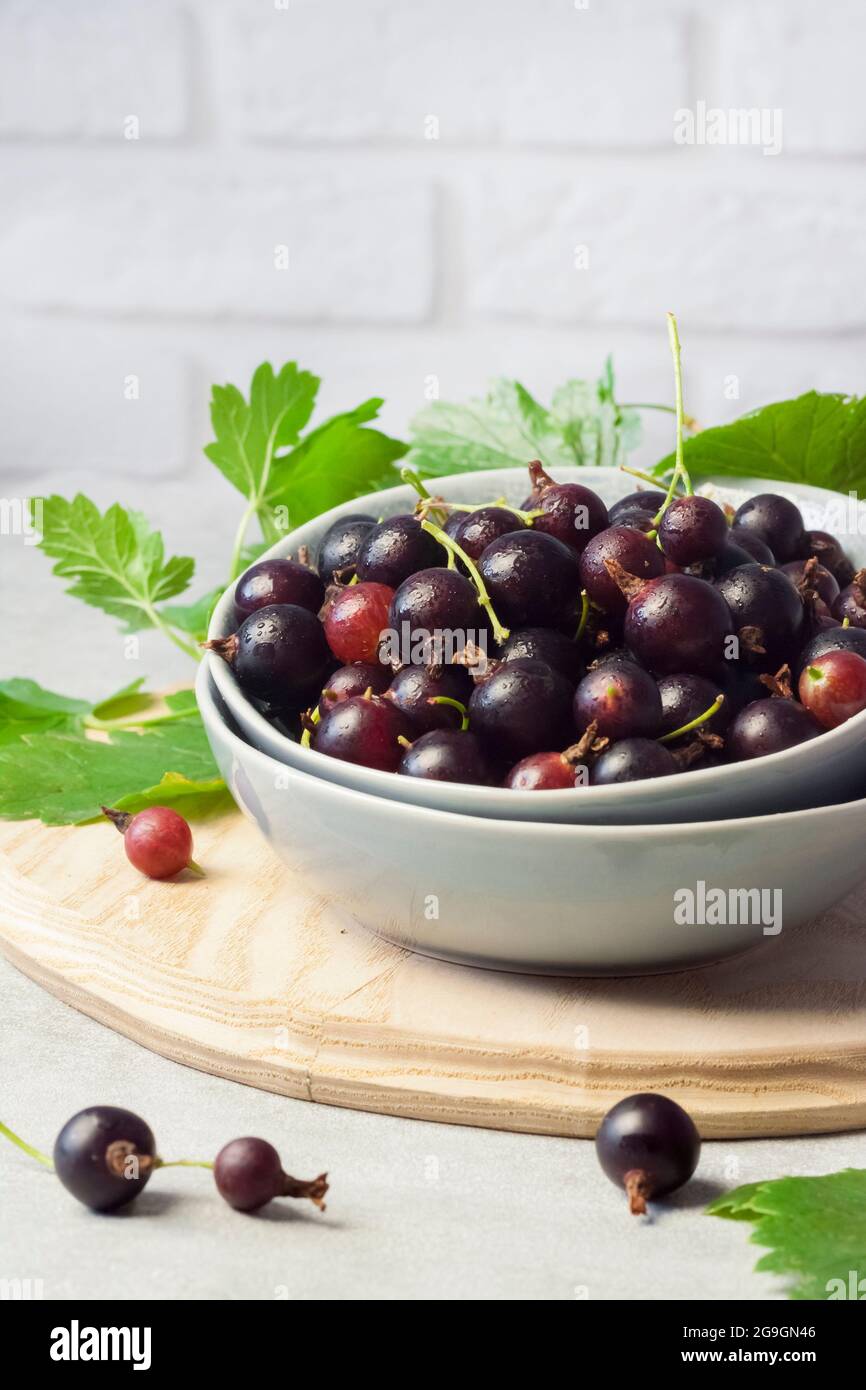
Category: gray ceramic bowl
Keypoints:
(547, 899)
(822, 771)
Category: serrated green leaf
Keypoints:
(509, 428)
(62, 778)
(336, 462)
(736, 1205)
(114, 560)
(20, 696)
(194, 800)
(248, 434)
(815, 1229)
(815, 438)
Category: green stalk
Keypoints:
(679, 468)
(694, 723)
(500, 633)
(584, 615)
(26, 1148)
(644, 477)
(108, 726)
(184, 1163)
(256, 502)
(455, 704)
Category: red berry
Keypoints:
(833, 687)
(355, 619)
(541, 772)
(158, 842)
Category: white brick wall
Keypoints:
(431, 166)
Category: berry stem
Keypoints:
(314, 1190)
(427, 499)
(26, 1148)
(638, 1189)
(694, 723)
(257, 500)
(644, 477)
(527, 517)
(411, 477)
(108, 726)
(680, 470)
(584, 615)
(183, 1163)
(455, 704)
(690, 422)
(119, 819)
(500, 633)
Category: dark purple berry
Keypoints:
(544, 644)
(851, 602)
(679, 623)
(622, 700)
(769, 726)
(648, 1145)
(396, 548)
(433, 615)
(248, 1174)
(354, 679)
(648, 500)
(685, 698)
(532, 578)
(751, 542)
(811, 576)
(571, 513)
(276, 652)
(104, 1156)
(622, 546)
(415, 688)
(522, 707)
(486, 524)
(447, 755)
(278, 581)
(632, 760)
(363, 730)
(766, 609)
(829, 553)
(340, 546)
(692, 529)
(777, 522)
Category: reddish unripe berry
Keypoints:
(543, 772)
(833, 687)
(355, 619)
(158, 842)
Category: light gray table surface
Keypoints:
(416, 1210)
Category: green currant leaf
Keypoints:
(815, 1229)
(815, 438)
(114, 560)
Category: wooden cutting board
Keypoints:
(251, 974)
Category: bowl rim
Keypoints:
(702, 830)
(700, 779)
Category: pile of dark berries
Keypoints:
(558, 643)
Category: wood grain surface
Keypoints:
(249, 974)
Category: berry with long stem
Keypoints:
(500, 633)
(696, 723)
